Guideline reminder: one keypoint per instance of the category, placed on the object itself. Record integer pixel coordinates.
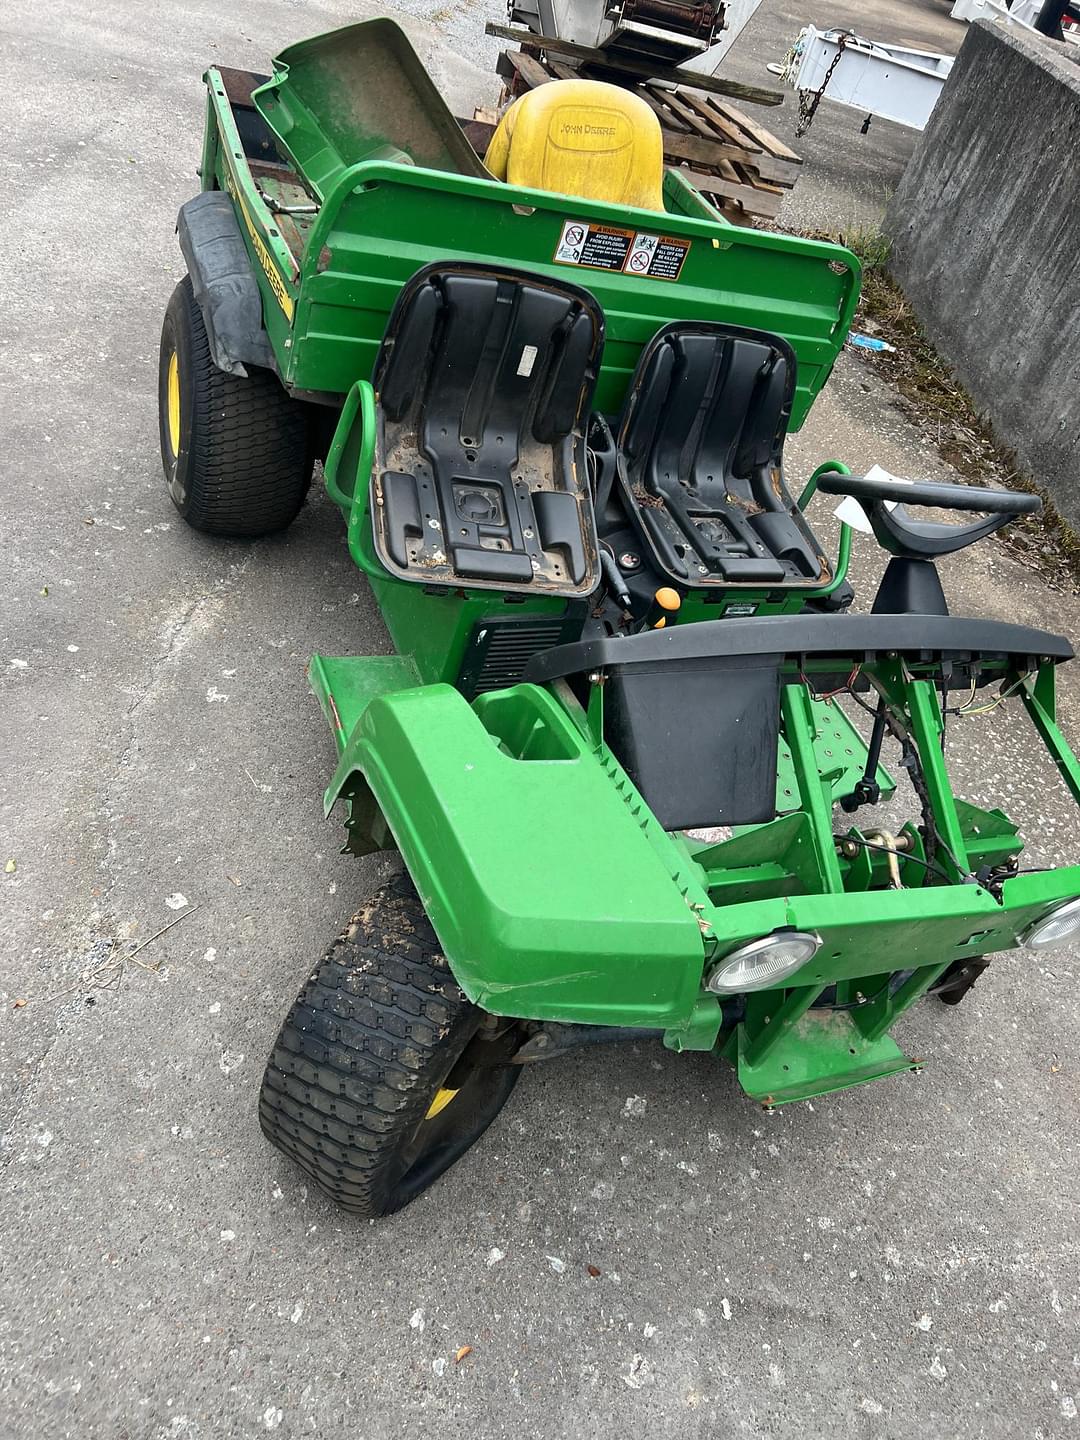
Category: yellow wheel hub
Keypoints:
(442, 1099)
(174, 403)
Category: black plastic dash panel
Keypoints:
(849, 638)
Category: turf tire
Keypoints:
(364, 1051)
(238, 456)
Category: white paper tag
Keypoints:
(852, 513)
(527, 361)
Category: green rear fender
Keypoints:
(553, 891)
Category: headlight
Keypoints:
(767, 961)
(1057, 928)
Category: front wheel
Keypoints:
(384, 1074)
(236, 449)
(959, 978)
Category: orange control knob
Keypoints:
(665, 602)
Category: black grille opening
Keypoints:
(499, 649)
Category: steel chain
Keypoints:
(808, 107)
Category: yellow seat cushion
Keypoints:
(582, 137)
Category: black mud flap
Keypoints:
(224, 283)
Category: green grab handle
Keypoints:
(352, 453)
(843, 555)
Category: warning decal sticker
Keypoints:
(607, 247)
(600, 247)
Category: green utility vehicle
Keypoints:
(630, 723)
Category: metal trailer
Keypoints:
(1043, 16)
(892, 82)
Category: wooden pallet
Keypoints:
(742, 167)
(738, 165)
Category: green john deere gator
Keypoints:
(630, 721)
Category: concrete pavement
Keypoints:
(897, 1262)
(847, 177)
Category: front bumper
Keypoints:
(557, 896)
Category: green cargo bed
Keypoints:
(343, 196)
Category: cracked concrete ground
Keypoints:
(897, 1262)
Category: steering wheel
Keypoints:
(899, 534)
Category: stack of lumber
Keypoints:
(742, 168)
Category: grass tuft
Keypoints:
(870, 245)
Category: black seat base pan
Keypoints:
(701, 440)
(484, 381)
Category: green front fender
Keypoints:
(553, 891)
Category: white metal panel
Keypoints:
(581, 21)
(890, 81)
(1022, 12)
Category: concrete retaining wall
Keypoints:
(985, 228)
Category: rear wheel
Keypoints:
(384, 1074)
(236, 449)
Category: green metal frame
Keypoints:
(380, 221)
(355, 94)
(224, 167)
(383, 222)
(557, 896)
(326, 313)
(434, 629)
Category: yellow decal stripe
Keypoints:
(266, 260)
